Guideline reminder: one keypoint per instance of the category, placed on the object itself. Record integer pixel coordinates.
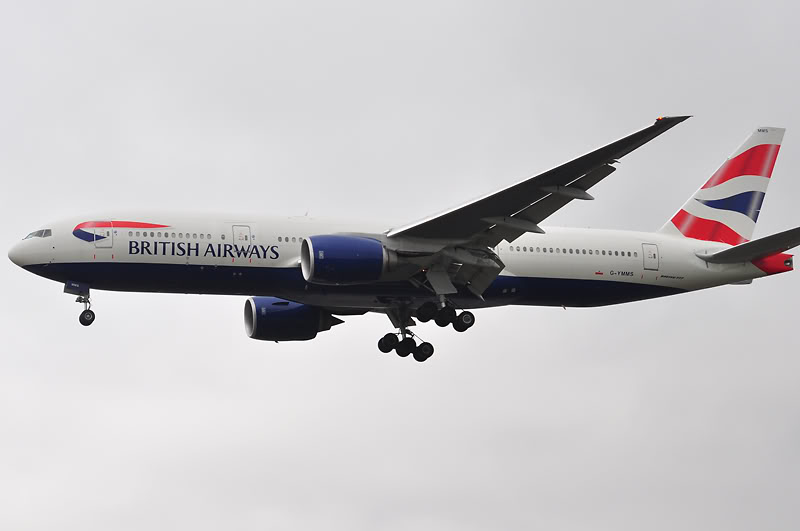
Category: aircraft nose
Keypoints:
(15, 254)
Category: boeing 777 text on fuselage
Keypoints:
(302, 274)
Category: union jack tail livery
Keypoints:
(726, 208)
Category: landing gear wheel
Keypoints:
(426, 312)
(405, 347)
(445, 316)
(423, 352)
(86, 318)
(464, 321)
(387, 343)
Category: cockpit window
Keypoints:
(44, 233)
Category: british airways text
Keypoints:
(216, 250)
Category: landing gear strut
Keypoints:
(87, 315)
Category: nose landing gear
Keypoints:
(87, 315)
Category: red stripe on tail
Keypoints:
(705, 229)
(758, 160)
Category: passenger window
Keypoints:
(551, 249)
(130, 233)
(604, 253)
(194, 236)
(616, 253)
(208, 236)
(137, 233)
(635, 254)
(280, 239)
(222, 236)
(570, 251)
(558, 250)
(629, 253)
(525, 249)
(584, 251)
(151, 235)
(180, 235)
(159, 234)
(537, 250)
(517, 247)
(202, 236)
(590, 251)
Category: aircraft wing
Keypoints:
(511, 212)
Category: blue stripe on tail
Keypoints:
(747, 203)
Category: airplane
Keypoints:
(303, 274)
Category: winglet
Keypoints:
(676, 119)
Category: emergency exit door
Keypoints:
(650, 254)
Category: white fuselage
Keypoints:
(261, 256)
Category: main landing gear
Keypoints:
(87, 315)
(444, 316)
(403, 342)
(405, 346)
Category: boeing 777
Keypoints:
(302, 274)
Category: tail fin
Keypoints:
(726, 208)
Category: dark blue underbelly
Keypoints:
(289, 283)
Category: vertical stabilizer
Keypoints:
(726, 208)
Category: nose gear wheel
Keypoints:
(87, 315)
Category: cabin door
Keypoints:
(241, 235)
(650, 254)
(104, 235)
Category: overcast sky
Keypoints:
(681, 413)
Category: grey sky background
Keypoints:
(675, 413)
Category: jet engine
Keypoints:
(274, 319)
(340, 259)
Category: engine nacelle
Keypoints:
(339, 259)
(274, 319)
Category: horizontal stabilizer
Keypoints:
(747, 252)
